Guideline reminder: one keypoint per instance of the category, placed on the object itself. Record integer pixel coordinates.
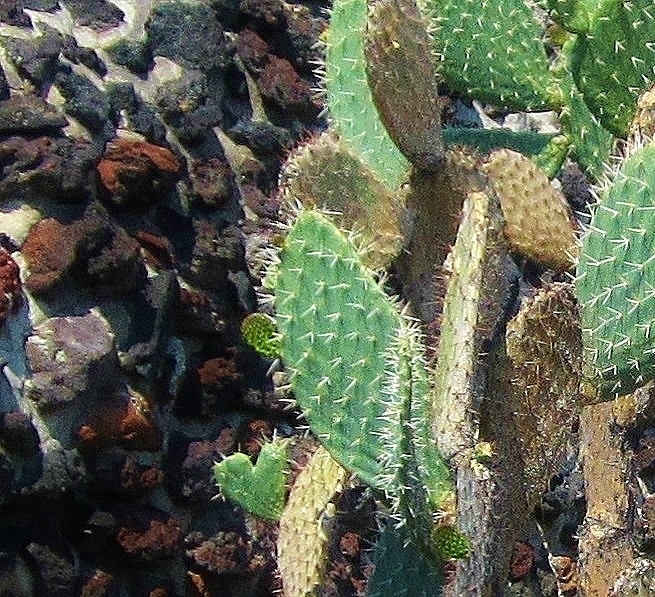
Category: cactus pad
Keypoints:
(538, 223)
(613, 62)
(615, 276)
(492, 50)
(337, 326)
(260, 332)
(302, 542)
(350, 104)
(259, 489)
(324, 173)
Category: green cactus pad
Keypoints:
(259, 489)
(493, 51)
(337, 326)
(350, 104)
(615, 276)
(402, 569)
(613, 62)
(260, 332)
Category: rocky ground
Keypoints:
(140, 144)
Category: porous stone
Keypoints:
(137, 172)
(70, 358)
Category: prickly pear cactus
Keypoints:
(612, 61)
(493, 51)
(325, 174)
(337, 325)
(617, 263)
(259, 488)
(396, 37)
(350, 105)
(302, 543)
(537, 219)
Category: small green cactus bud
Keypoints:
(260, 332)
(449, 543)
(259, 489)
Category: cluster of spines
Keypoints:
(617, 261)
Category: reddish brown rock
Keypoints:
(116, 472)
(93, 249)
(136, 171)
(252, 434)
(523, 558)
(196, 481)
(277, 79)
(149, 535)
(10, 286)
(157, 248)
(126, 421)
(225, 553)
(220, 380)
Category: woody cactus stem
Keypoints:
(356, 369)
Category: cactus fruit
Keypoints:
(259, 489)
(302, 542)
(325, 174)
(351, 108)
(260, 332)
(617, 262)
(395, 38)
(538, 224)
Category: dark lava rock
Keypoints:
(187, 33)
(133, 55)
(4, 86)
(54, 567)
(213, 181)
(189, 470)
(37, 59)
(263, 138)
(187, 106)
(86, 56)
(18, 435)
(56, 169)
(137, 172)
(70, 358)
(83, 100)
(127, 110)
(96, 14)
(29, 114)
(115, 472)
(11, 11)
